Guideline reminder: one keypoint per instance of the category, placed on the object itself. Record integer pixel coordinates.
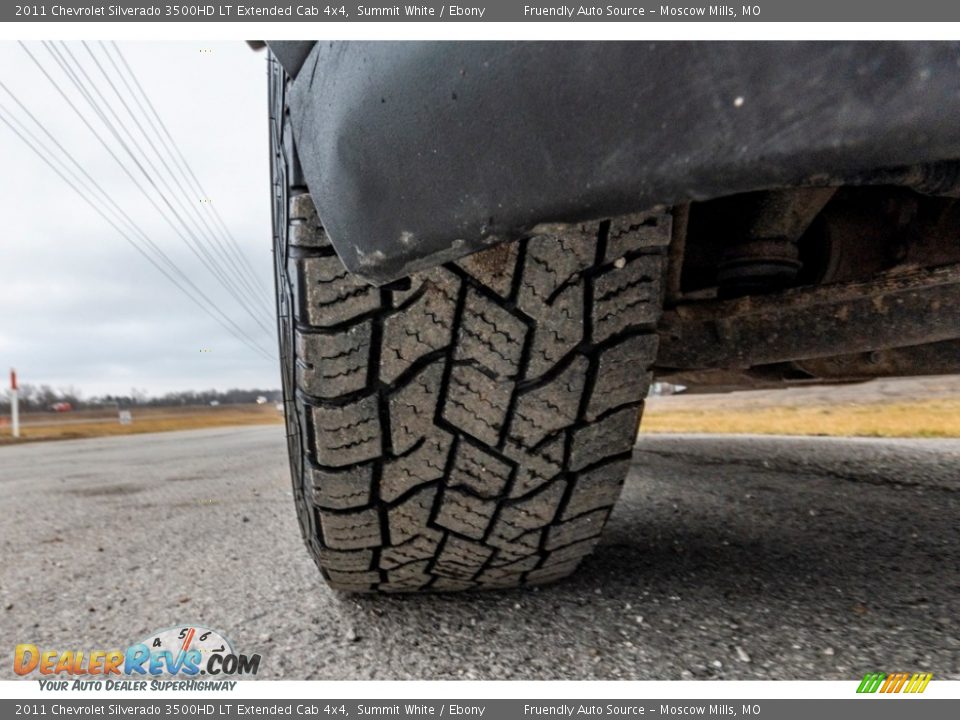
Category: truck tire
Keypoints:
(470, 427)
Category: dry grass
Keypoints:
(71, 426)
(924, 407)
(919, 419)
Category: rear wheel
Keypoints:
(472, 426)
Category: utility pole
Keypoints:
(14, 404)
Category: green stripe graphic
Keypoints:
(871, 682)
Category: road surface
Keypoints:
(737, 558)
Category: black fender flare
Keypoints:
(417, 153)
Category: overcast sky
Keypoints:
(78, 305)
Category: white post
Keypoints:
(14, 405)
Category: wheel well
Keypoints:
(831, 282)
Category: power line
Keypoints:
(198, 187)
(102, 195)
(106, 146)
(106, 196)
(236, 330)
(196, 246)
(190, 200)
(235, 270)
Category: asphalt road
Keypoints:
(727, 557)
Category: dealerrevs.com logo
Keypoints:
(167, 658)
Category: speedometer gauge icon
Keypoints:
(178, 641)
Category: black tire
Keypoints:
(471, 427)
